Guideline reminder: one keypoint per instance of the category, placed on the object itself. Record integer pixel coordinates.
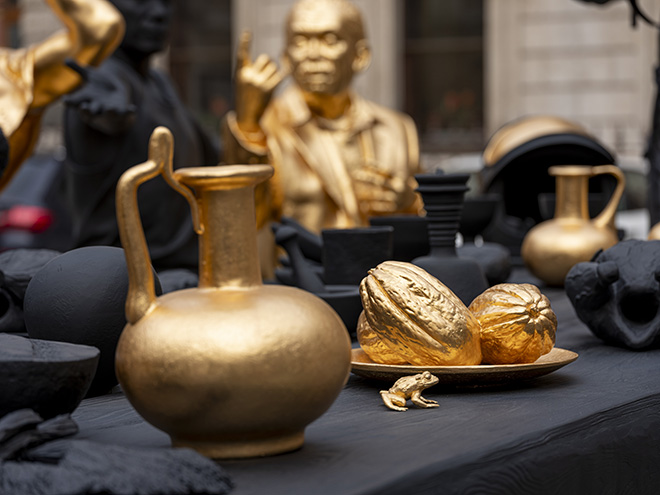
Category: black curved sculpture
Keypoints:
(617, 294)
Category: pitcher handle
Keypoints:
(141, 290)
(606, 217)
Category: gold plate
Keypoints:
(479, 375)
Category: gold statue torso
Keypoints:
(318, 162)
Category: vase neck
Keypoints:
(572, 194)
(228, 255)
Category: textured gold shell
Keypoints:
(517, 323)
(411, 317)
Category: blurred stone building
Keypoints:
(461, 68)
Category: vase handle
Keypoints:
(606, 217)
(141, 290)
(167, 172)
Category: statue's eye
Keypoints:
(330, 38)
(298, 40)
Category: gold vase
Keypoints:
(551, 248)
(232, 368)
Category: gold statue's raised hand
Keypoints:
(255, 83)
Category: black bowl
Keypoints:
(49, 377)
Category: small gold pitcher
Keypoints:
(232, 368)
(551, 248)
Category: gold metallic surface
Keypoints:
(410, 316)
(232, 368)
(338, 158)
(409, 387)
(472, 376)
(517, 323)
(654, 233)
(34, 77)
(551, 248)
(380, 348)
(523, 130)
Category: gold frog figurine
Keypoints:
(409, 387)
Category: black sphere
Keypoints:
(79, 297)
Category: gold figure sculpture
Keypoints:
(551, 248)
(232, 368)
(32, 78)
(409, 387)
(517, 323)
(338, 158)
(411, 317)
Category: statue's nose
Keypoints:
(313, 48)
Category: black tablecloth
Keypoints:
(592, 427)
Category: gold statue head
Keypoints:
(326, 45)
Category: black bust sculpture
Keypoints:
(107, 127)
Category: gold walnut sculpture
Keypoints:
(411, 317)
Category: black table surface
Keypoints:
(592, 426)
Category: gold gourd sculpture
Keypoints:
(551, 248)
(517, 323)
(232, 368)
(411, 317)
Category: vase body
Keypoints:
(552, 248)
(443, 202)
(232, 368)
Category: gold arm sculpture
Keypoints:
(338, 158)
(34, 77)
